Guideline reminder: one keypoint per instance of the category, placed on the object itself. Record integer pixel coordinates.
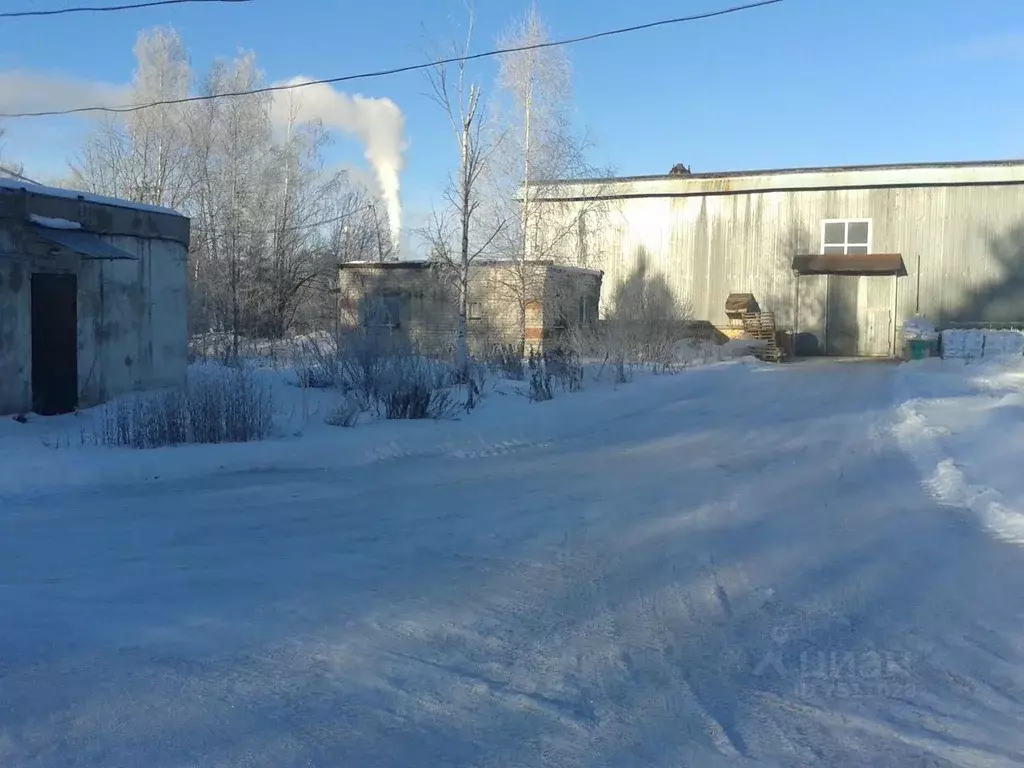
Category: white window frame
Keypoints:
(478, 314)
(846, 242)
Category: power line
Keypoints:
(399, 70)
(315, 224)
(298, 227)
(18, 176)
(104, 8)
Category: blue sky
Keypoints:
(805, 82)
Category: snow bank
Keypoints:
(49, 453)
(963, 426)
(740, 347)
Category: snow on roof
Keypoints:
(477, 263)
(51, 223)
(1016, 164)
(388, 264)
(70, 194)
(578, 270)
(783, 180)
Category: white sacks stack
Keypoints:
(1004, 343)
(976, 344)
(919, 328)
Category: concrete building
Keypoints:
(842, 256)
(411, 300)
(93, 298)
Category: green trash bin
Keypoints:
(919, 349)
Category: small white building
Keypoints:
(93, 298)
(841, 256)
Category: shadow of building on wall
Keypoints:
(801, 307)
(998, 300)
(645, 309)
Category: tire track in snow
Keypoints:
(941, 477)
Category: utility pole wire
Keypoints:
(397, 70)
(18, 176)
(105, 8)
(311, 225)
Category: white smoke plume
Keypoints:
(38, 92)
(378, 123)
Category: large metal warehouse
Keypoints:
(841, 256)
(93, 298)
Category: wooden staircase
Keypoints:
(761, 326)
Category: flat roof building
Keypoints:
(93, 298)
(841, 256)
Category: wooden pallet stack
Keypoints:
(761, 326)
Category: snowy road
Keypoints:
(738, 566)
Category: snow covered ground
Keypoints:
(963, 424)
(738, 565)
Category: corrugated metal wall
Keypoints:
(969, 239)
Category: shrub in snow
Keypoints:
(540, 379)
(417, 401)
(623, 373)
(415, 387)
(648, 328)
(152, 420)
(318, 364)
(554, 369)
(506, 359)
(646, 324)
(540, 386)
(218, 405)
(377, 371)
(345, 414)
(228, 405)
(475, 381)
(564, 366)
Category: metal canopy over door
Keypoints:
(858, 293)
(54, 343)
(842, 336)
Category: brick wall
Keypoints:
(423, 309)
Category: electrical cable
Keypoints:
(105, 8)
(396, 70)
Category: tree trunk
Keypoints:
(461, 333)
(522, 328)
(524, 245)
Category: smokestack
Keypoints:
(378, 123)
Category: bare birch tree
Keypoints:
(7, 167)
(267, 214)
(235, 184)
(459, 235)
(535, 108)
(145, 156)
(304, 198)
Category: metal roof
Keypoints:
(86, 244)
(850, 264)
(425, 263)
(825, 169)
(16, 185)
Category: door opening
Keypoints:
(54, 343)
(842, 332)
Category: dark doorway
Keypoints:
(841, 331)
(54, 343)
